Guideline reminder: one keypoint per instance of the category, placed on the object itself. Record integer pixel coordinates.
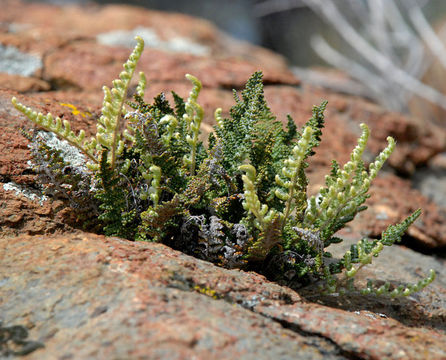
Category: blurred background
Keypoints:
(389, 51)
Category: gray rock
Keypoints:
(15, 62)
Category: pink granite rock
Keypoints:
(88, 296)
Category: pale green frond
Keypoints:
(218, 118)
(252, 203)
(193, 118)
(58, 127)
(109, 128)
(142, 83)
(291, 170)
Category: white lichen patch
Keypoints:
(69, 153)
(31, 194)
(15, 62)
(151, 39)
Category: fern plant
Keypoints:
(241, 201)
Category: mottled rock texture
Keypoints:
(89, 297)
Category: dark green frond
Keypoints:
(317, 123)
(394, 233)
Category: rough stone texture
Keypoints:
(431, 180)
(86, 296)
(417, 141)
(22, 84)
(385, 207)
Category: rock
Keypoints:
(22, 84)
(14, 62)
(431, 180)
(417, 142)
(118, 299)
(385, 207)
(24, 210)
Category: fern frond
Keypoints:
(142, 83)
(109, 124)
(60, 128)
(252, 203)
(401, 290)
(291, 170)
(393, 233)
(193, 117)
(346, 190)
(108, 134)
(364, 251)
(316, 122)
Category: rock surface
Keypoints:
(86, 296)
